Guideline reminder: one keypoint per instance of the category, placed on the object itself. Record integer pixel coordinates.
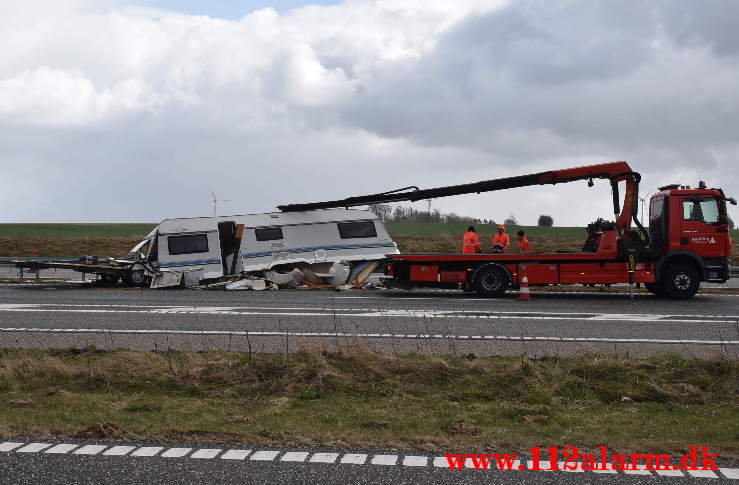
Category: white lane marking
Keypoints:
(604, 468)
(507, 338)
(90, 450)
(206, 453)
(264, 455)
(235, 455)
(147, 451)
(405, 313)
(176, 452)
(572, 467)
(669, 473)
(33, 448)
(9, 446)
(543, 465)
(702, 473)
(441, 462)
(323, 457)
(732, 473)
(640, 470)
(294, 456)
(384, 460)
(354, 458)
(61, 448)
(410, 460)
(119, 450)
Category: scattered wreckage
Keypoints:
(330, 248)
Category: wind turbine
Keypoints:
(643, 202)
(216, 200)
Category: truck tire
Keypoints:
(491, 282)
(655, 288)
(680, 282)
(136, 276)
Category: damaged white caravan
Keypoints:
(327, 246)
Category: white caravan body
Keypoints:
(212, 247)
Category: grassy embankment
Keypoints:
(361, 398)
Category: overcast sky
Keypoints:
(115, 110)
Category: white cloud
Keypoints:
(324, 102)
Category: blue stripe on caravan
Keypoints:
(190, 263)
(325, 248)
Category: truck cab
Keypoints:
(689, 230)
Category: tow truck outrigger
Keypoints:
(687, 240)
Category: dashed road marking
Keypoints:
(732, 473)
(415, 461)
(324, 457)
(294, 456)
(384, 460)
(63, 448)
(206, 453)
(702, 473)
(33, 448)
(640, 470)
(354, 459)
(9, 446)
(147, 451)
(329, 458)
(235, 455)
(90, 450)
(264, 455)
(176, 452)
(119, 450)
(669, 473)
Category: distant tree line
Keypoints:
(386, 213)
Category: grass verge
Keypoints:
(365, 399)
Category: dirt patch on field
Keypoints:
(43, 248)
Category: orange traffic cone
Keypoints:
(523, 289)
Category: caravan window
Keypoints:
(351, 230)
(268, 233)
(191, 243)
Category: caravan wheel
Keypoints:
(136, 276)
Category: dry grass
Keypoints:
(361, 398)
(43, 247)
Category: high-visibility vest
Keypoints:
(503, 240)
(523, 245)
(470, 243)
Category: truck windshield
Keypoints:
(701, 209)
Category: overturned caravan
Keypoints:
(319, 247)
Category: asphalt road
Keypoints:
(124, 463)
(421, 321)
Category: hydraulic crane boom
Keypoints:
(615, 172)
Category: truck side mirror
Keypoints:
(732, 200)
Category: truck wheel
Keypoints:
(655, 288)
(680, 282)
(491, 282)
(136, 276)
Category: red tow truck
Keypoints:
(687, 240)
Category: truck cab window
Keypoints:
(702, 209)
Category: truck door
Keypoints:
(699, 226)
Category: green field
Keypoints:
(75, 230)
(103, 230)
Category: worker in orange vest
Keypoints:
(501, 241)
(470, 242)
(523, 243)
